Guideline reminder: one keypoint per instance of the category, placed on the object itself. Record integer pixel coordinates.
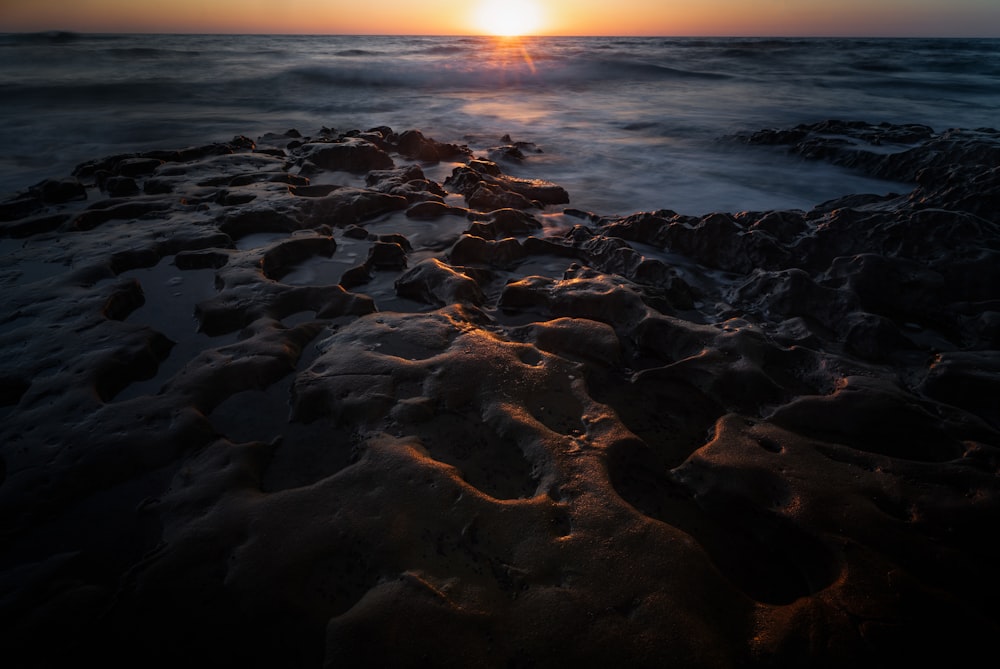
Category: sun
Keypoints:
(508, 18)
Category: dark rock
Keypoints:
(408, 182)
(33, 225)
(505, 223)
(434, 282)
(136, 167)
(355, 232)
(109, 210)
(318, 190)
(349, 206)
(487, 197)
(59, 191)
(386, 255)
(967, 379)
(20, 206)
(413, 144)
(120, 186)
(349, 155)
(243, 222)
(158, 186)
(872, 337)
(395, 238)
(356, 276)
(430, 211)
(281, 258)
(485, 189)
(469, 250)
(874, 415)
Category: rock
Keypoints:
(386, 255)
(487, 197)
(136, 167)
(413, 144)
(348, 155)
(505, 223)
(356, 276)
(486, 189)
(59, 191)
(408, 182)
(349, 206)
(431, 211)
(778, 428)
(434, 282)
(120, 186)
(470, 250)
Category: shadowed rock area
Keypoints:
(363, 399)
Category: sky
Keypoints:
(919, 18)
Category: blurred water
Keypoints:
(625, 124)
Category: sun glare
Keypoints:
(508, 18)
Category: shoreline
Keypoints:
(350, 394)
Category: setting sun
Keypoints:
(508, 18)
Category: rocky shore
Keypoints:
(367, 399)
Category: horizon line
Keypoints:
(62, 31)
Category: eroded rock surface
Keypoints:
(293, 403)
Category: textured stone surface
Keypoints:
(288, 404)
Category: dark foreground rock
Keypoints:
(286, 403)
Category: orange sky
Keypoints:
(560, 17)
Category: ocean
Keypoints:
(624, 124)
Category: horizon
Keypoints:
(60, 31)
(920, 19)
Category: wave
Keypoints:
(150, 52)
(47, 37)
(126, 93)
(444, 50)
(57, 37)
(486, 74)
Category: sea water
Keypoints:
(624, 124)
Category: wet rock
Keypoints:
(408, 182)
(968, 380)
(504, 223)
(349, 155)
(386, 255)
(782, 422)
(486, 189)
(281, 258)
(431, 211)
(355, 232)
(413, 144)
(512, 151)
(583, 294)
(59, 191)
(487, 197)
(317, 190)
(919, 148)
(356, 276)
(19, 206)
(434, 282)
(120, 186)
(471, 250)
(395, 238)
(136, 167)
(349, 206)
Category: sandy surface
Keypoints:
(367, 400)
